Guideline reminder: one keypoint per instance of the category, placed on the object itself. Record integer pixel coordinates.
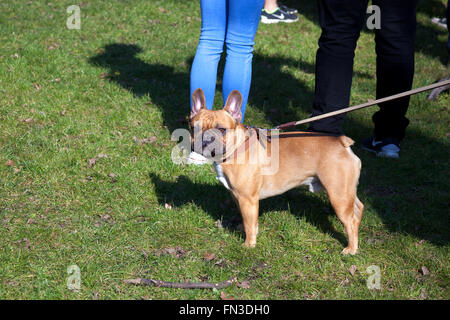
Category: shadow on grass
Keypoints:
(215, 200)
(167, 89)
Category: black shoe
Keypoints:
(286, 9)
(387, 148)
(277, 16)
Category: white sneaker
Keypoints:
(389, 151)
(441, 22)
(386, 148)
(197, 159)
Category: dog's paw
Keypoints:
(349, 250)
(249, 244)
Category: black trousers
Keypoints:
(341, 22)
(448, 28)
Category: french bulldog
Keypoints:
(244, 159)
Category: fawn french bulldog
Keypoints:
(303, 158)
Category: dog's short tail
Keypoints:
(346, 141)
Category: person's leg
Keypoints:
(270, 5)
(243, 20)
(395, 65)
(210, 47)
(448, 29)
(341, 23)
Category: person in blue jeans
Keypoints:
(233, 24)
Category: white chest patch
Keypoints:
(220, 176)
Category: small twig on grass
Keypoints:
(181, 285)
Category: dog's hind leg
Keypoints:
(350, 214)
(346, 204)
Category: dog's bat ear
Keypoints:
(233, 105)
(198, 101)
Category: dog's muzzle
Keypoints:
(209, 143)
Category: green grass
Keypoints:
(125, 74)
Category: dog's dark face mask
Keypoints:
(209, 129)
(209, 142)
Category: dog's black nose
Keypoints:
(206, 142)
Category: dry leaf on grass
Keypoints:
(26, 242)
(94, 160)
(223, 296)
(424, 271)
(221, 263)
(244, 284)
(177, 252)
(352, 269)
(10, 163)
(144, 140)
(423, 294)
(209, 256)
(260, 267)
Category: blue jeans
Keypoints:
(233, 22)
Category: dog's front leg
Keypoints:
(249, 207)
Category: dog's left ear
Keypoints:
(198, 101)
(233, 105)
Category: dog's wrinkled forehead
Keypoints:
(227, 118)
(209, 119)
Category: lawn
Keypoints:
(86, 176)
